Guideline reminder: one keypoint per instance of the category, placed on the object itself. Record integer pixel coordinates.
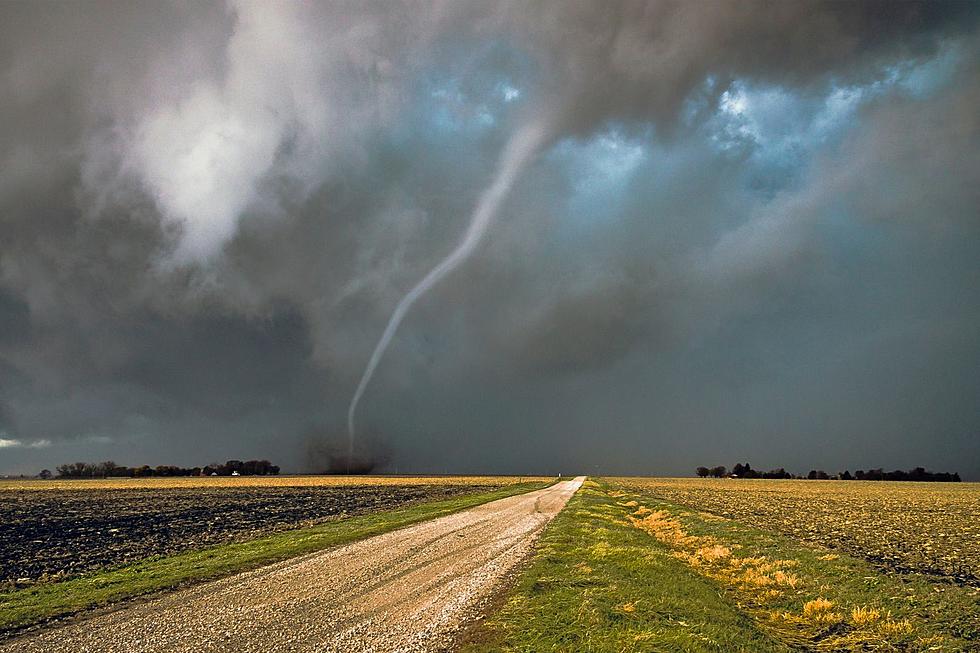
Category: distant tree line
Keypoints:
(110, 468)
(744, 470)
(917, 474)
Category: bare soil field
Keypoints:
(931, 528)
(622, 570)
(411, 589)
(197, 482)
(60, 529)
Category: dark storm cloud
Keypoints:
(580, 334)
(207, 214)
(642, 60)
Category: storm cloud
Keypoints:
(752, 233)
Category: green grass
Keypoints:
(24, 607)
(603, 581)
(598, 584)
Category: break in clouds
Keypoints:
(747, 231)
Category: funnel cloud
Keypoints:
(649, 235)
(521, 147)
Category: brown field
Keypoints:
(931, 528)
(255, 481)
(51, 530)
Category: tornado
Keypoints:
(520, 150)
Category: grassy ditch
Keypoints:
(623, 571)
(21, 608)
(598, 584)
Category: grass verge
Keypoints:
(622, 570)
(21, 608)
(598, 584)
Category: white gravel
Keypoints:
(408, 590)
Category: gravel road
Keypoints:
(408, 590)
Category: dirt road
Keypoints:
(409, 590)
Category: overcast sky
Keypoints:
(747, 231)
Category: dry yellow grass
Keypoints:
(711, 558)
(863, 616)
(762, 583)
(819, 611)
(925, 527)
(257, 481)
